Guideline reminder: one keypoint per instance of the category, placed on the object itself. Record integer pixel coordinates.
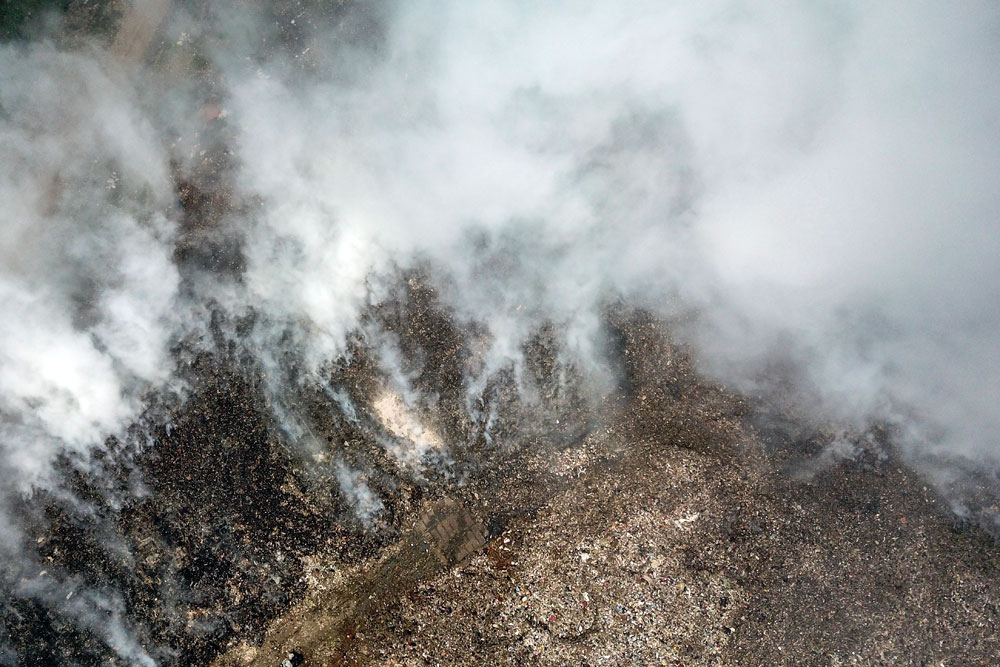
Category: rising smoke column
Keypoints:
(86, 282)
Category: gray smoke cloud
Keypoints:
(811, 183)
(816, 180)
(86, 278)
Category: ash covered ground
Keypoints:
(410, 500)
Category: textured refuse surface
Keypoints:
(663, 521)
(664, 555)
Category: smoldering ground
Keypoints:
(266, 193)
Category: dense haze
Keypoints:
(811, 188)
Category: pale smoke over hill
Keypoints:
(86, 283)
(812, 186)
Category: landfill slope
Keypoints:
(546, 516)
(678, 533)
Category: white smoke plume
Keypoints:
(86, 278)
(367, 505)
(815, 181)
(95, 610)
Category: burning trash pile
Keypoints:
(357, 334)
